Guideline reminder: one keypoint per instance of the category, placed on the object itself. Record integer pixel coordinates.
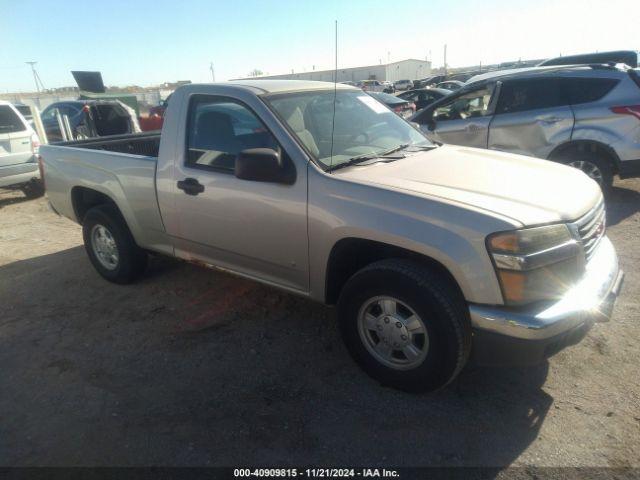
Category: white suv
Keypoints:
(18, 149)
(403, 85)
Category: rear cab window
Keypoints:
(10, 122)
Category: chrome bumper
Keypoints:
(591, 299)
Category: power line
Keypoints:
(36, 77)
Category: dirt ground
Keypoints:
(195, 367)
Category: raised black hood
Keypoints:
(89, 81)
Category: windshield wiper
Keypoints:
(371, 156)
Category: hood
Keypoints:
(89, 81)
(525, 189)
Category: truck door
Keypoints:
(532, 117)
(251, 227)
(462, 120)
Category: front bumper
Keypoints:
(504, 335)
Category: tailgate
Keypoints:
(15, 148)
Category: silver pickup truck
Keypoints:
(432, 254)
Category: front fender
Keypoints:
(449, 234)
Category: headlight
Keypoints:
(534, 264)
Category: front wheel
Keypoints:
(406, 325)
(110, 245)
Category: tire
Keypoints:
(33, 189)
(590, 162)
(105, 232)
(421, 292)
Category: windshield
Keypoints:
(363, 126)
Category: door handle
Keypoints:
(190, 186)
(550, 119)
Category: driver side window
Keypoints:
(470, 105)
(219, 129)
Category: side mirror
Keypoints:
(263, 165)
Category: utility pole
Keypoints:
(445, 58)
(36, 77)
(213, 74)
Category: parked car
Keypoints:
(403, 85)
(90, 118)
(584, 116)
(402, 107)
(628, 57)
(423, 97)
(429, 81)
(428, 251)
(388, 87)
(18, 149)
(451, 85)
(371, 86)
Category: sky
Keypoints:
(148, 42)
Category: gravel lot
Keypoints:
(195, 367)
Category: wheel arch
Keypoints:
(349, 255)
(591, 146)
(85, 198)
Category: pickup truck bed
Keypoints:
(146, 144)
(120, 167)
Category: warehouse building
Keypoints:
(410, 69)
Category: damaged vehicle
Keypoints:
(95, 113)
(585, 116)
(88, 119)
(432, 254)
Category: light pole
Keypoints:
(445, 59)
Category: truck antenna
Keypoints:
(335, 93)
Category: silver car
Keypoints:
(586, 116)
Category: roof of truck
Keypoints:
(278, 86)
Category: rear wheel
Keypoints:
(405, 325)
(110, 245)
(33, 189)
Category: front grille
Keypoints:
(591, 228)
